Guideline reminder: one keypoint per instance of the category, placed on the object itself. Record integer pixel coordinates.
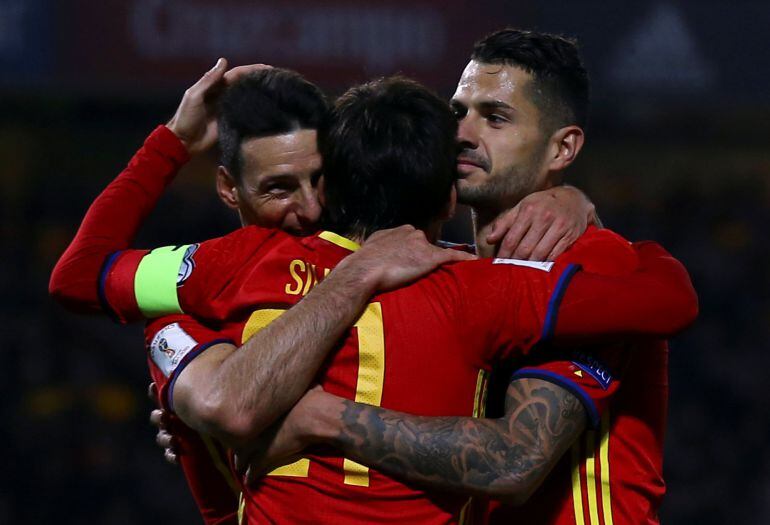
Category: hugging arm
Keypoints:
(235, 395)
(506, 458)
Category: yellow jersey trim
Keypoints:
(339, 240)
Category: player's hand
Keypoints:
(543, 225)
(283, 442)
(195, 120)
(164, 438)
(398, 256)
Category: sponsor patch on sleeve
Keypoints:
(537, 265)
(169, 346)
(593, 367)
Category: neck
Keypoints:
(483, 220)
(432, 233)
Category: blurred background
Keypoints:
(677, 151)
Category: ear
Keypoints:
(566, 144)
(227, 188)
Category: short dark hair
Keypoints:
(265, 103)
(389, 157)
(561, 85)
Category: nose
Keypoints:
(467, 133)
(308, 208)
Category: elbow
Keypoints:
(681, 311)
(60, 288)
(233, 427)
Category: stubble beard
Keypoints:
(500, 191)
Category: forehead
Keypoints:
(290, 153)
(482, 82)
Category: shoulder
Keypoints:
(602, 251)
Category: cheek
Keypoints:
(269, 214)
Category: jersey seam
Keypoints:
(567, 384)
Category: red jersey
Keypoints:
(614, 473)
(456, 322)
(110, 224)
(203, 460)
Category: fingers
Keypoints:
(239, 71)
(517, 223)
(167, 442)
(211, 77)
(503, 225)
(152, 392)
(527, 245)
(451, 255)
(561, 247)
(164, 439)
(555, 233)
(170, 456)
(157, 418)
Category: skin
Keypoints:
(235, 395)
(506, 458)
(506, 152)
(277, 187)
(220, 409)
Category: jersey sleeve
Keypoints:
(112, 221)
(592, 375)
(142, 284)
(656, 300)
(172, 343)
(202, 459)
(510, 303)
(517, 304)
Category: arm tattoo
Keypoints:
(506, 457)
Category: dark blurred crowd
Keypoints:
(75, 413)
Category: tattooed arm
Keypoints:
(506, 458)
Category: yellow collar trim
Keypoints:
(339, 240)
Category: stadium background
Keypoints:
(677, 151)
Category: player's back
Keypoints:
(423, 349)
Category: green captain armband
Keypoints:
(159, 274)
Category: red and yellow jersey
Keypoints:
(442, 323)
(205, 463)
(455, 323)
(613, 474)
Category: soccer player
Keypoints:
(522, 97)
(444, 317)
(270, 183)
(283, 114)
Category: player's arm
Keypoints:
(170, 340)
(657, 300)
(235, 395)
(114, 218)
(543, 224)
(505, 458)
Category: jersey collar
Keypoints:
(339, 240)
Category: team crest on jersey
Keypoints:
(187, 266)
(593, 367)
(169, 346)
(537, 265)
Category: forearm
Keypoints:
(112, 221)
(505, 458)
(271, 371)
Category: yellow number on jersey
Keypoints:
(371, 377)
